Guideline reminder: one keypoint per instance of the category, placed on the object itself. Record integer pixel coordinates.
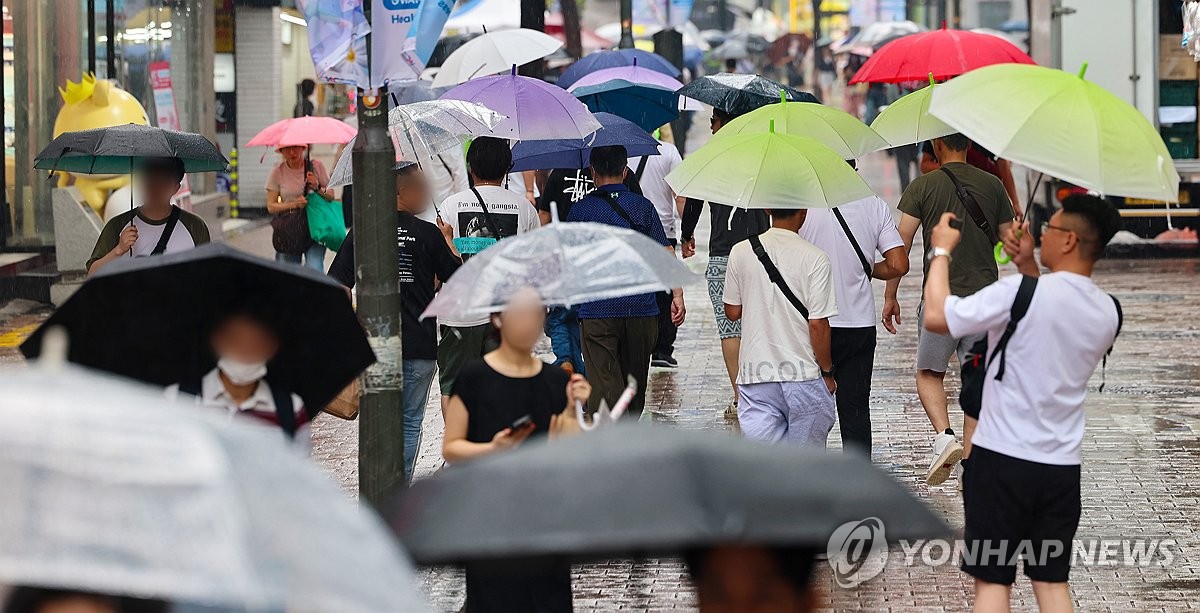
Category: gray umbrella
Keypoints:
(631, 490)
(117, 150)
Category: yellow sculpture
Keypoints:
(96, 103)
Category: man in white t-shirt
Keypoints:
(1021, 485)
(478, 218)
(785, 372)
(851, 235)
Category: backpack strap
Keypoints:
(285, 410)
(774, 275)
(1104, 360)
(862, 258)
(172, 221)
(1019, 308)
(641, 169)
(972, 206)
(488, 220)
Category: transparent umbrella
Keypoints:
(109, 488)
(422, 130)
(566, 263)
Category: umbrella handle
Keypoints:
(1001, 256)
(583, 424)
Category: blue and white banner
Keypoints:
(337, 30)
(403, 34)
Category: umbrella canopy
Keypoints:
(118, 149)
(493, 53)
(788, 47)
(944, 53)
(881, 33)
(648, 106)
(907, 120)
(731, 49)
(110, 488)
(738, 94)
(641, 76)
(303, 131)
(421, 90)
(768, 170)
(148, 319)
(577, 153)
(835, 129)
(423, 130)
(637, 489)
(567, 263)
(611, 59)
(535, 110)
(1063, 125)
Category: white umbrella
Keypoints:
(493, 53)
(109, 488)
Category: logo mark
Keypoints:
(857, 551)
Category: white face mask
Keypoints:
(242, 373)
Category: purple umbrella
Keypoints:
(641, 76)
(536, 110)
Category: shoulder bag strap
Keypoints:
(1104, 360)
(172, 221)
(1019, 308)
(191, 386)
(774, 275)
(611, 199)
(487, 215)
(973, 208)
(285, 411)
(641, 169)
(862, 258)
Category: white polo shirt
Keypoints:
(654, 185)
(1036, 412)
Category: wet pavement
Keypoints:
(1140, 448)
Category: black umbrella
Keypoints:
(116, 150)
(148, 319)
(738, 94)
(633, 490)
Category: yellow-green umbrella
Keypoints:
(835, 129)
(907, 120)
(1063, 125)
(768, 170)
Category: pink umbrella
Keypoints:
(303, 131)
(640, 76)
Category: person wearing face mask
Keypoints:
(244, 343)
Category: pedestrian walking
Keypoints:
(1048, 332)
(969, 193)
(427, 257)
(730, 225)
(851, 235)
(288, 187)
(150, 229)
(982, 159)
(781, 287)
(618, 334)
(477, 219)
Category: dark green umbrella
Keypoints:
(631, 490)
(118, 149)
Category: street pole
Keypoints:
(381, 415)
(533, 17)
(816, 36)
(626, 41)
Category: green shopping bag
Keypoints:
(326, 225)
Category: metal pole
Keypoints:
(816, 36)
(91, 35)
(533, 17)
(381, 415)
(110, 30)
(626, 41)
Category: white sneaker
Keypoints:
(946, 454)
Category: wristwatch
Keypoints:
(938, 252)
(829, 374)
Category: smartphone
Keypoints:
(957, 224)
(521, 422)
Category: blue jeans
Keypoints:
(418, 377)
(562, 326)
(314, 257)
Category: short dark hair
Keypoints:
(24, 599)
(723, 116)
(1100, 219)
(609, 161)
(489, 158)
(956, 142)
(795, 564)
(163, 164)
(784, 213)
(307, 87)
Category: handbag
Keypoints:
(290, 232)
(345, 405)
(326, 222)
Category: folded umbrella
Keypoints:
(907, 120)
(648, 106)
(635, 490)
(535, 110)
(566, 263)
(577, 152)
(1063, 125)
(147, 319)
(109, 488)
(944, 53)
(641, 76)
(495, 52)
(303, 131)
(835, 129)
(118, 149)
(738, 94)
(611, 59)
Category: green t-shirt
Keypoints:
(974, 264)
(189, 232)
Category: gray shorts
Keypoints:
(798, 412)
(934, 350)
(715, 274)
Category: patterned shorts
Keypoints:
(716, 294)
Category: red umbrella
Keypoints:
(945, 53)
(303, 131)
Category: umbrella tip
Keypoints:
(943, 24)
(514, 70)
(932, 81)
(1083, 70)
(772, 128)
(54, 348)
(782, 96)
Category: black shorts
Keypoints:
(1018, 508)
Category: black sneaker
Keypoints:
(663, 361)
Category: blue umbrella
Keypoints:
(612, 59)
(648, 106)
(577, 152)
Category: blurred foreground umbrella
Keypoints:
(835, 129)
(648, 106)
(495, 52)
(907, 120)
(768, 170)
(632, 490)
(118, 149)
(566, 263)
(612, 59)
(303, 131)
(149, 318)
(423, 130)
(109, 488)
(1062, 125)
(576, 153)
(534, 109)
(738, 94)
(944, 53)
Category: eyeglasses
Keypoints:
(1046, 226)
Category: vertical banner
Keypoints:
(166, 115)
(403, 34)
(337, 30)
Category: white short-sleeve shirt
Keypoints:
(654, 186)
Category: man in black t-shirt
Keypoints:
(427, 256)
